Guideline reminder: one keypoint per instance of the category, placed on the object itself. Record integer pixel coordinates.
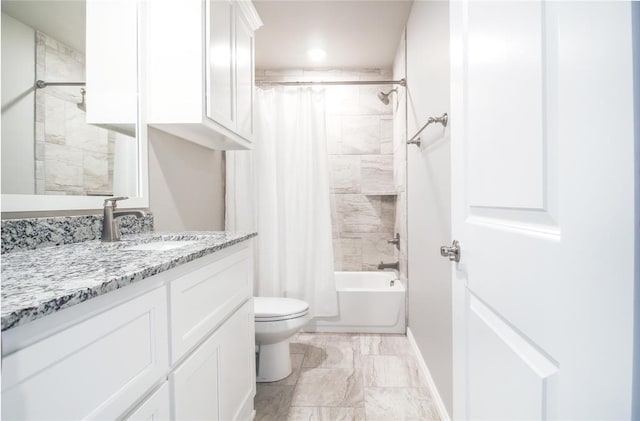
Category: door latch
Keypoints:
(452, 252)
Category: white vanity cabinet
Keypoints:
(200, 70)
(96, 368)
(178, 345)
(217, 381)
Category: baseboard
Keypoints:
(442, 410)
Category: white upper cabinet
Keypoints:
(112, 65)
(200, 70)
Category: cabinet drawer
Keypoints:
(95, 369)
(202, 299)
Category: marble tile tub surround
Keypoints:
(71, 156)
(35, 233)
(39, 282)
(348, 377)
(361, 164)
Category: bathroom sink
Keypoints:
(161, 245)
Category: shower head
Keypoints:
(82, 105)
(384, 98)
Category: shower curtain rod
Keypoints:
(42, 84)
(401, 82)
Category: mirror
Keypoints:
(69, 104)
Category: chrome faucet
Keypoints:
(383, 265)
(110, 224)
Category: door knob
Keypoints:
(453, 252)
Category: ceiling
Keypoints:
(63, 20)
(354, 34)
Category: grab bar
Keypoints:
(443, 119)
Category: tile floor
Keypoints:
(344, 377)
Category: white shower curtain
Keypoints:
(291, 210)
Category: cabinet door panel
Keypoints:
(220, 62)
(244, 77)
(195, 384)
(155, 408)
(95, 369)
(237, 364)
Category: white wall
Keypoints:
(429, 192)
(186, 184)
(18, 76)
(636, 78)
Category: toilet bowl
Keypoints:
(277, 320)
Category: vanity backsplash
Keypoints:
(34, 233)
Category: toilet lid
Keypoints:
(278, 308)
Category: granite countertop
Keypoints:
(39, 282)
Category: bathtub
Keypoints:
(368, 302)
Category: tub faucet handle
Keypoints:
(395, 240)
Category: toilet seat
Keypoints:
(271, 309)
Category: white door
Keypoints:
(543, 207)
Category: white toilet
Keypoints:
(277, 320)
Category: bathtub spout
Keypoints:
(383, 265)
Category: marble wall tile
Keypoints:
(386, 135)
(75, 126)
(375, 249)
(310, 413)
(342, 100)
(360, 135)
(359, 213)
(40, 171)
(272, 402)
(76, 169)
(63, 175)
(344, 171)
(347, 254)
(384, 404)
(63, 153)
(96, 173)
(324, 74)
(54, 120)
(333, 387)
(62, 67)
(402, 229)
(388, 214)
(39, 147)
(276, 73)
(377, 174)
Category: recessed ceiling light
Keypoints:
(316, 54)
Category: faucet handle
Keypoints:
(113, 201)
